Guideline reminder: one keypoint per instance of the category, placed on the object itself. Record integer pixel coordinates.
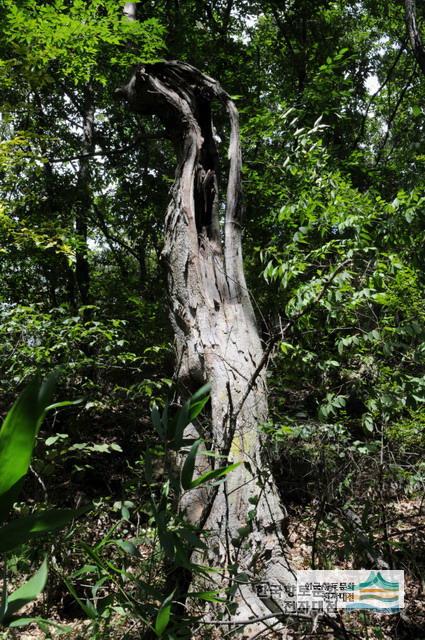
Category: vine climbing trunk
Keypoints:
(216, 334)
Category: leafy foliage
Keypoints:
(170, 539)
(17, 439)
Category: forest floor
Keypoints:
(405, 530)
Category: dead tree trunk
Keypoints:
(217, 339)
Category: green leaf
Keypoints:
(213, 475)
(53, 439)
(64, 403)
(163, 615)
(162, 620)
(17, 438)
(285, 347)
(127, 547)
(196, 408)
(28, 591)
(381, 298)
(368, 423)
(60, 629)
(189, 465)
(205, 390)
(19, 531)
(208, 596)
(188, 412)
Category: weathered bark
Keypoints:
(413, 33)
(217, 339)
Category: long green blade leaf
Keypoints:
(208, 596)
(163, 616)
(203, 391)
(176, 428)
(28, 591)
(213, 475)
(64, 403)
(196, 408)
(60, 629)
(162, 620)
(19, 531)
(17, 438)
(189, 466)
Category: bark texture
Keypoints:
(413, 33)
(217, 339)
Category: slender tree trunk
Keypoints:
(217, 339)
(84, 203)
(413, 33)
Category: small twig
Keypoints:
(103, 153)
(393, 114)
(399, 532)
(282, 333)
(244, 623)
(339, 626)
(263, 633)
(40, 481)
(229, 396)
(378, 90)
(315, 533)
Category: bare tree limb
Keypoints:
(393, 114)
(378, 91)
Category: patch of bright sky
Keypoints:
(372, 83)
(249, 22)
